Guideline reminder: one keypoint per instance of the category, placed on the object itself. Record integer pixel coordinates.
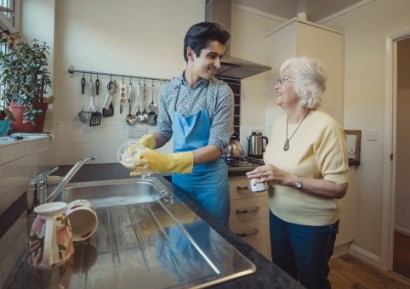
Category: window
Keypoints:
(9, 16)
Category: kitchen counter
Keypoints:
(268, 275)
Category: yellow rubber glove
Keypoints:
(164, 163)
(148, 141)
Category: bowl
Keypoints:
(128, 152)
(4, 127)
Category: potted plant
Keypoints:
(24, 79)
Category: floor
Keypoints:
(348, 272)
(401, 254)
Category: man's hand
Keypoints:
(148, 141)
(164, 163)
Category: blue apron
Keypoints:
(208, 183)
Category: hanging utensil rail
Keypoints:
(71, 70)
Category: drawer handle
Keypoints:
(242, 188)
(248, 211)
(249, 233)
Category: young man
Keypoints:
(196, 109)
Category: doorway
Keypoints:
(401, 223)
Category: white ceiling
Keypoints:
(316, 10)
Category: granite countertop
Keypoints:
(267, 275)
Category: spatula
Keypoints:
(95, 118)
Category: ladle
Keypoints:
(130, 119)
(138, 115)
(152, 106)
(152, 115)
(144, 96)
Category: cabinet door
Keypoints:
(303, 38)
(238, 189)
(255, 233)
(248, 209)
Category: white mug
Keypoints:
(83, 219)
(258, 187)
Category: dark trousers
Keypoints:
(303, 251)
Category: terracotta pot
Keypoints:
(19, 126)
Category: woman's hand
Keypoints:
(269, 173)
(317, 187)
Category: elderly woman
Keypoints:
(307, 168)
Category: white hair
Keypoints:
(309, 77)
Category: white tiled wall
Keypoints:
(20, 161)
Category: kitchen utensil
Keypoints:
(123, 96)
(152, 106)
(152, 115)
(50, 239)
(83, 115)
(82, 84)
(256, 145)
(130, 119)
(139, 115)
(235, 147)
(144, 97)
(128, 152)
(97, 86)
(108, 108)
(95, 118)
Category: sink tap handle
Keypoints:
(43, 175)
(37, 190)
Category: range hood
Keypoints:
(219, 11)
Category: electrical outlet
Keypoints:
(137, 131)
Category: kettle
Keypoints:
(256, 145)
(235, 147)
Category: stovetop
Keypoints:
(243, 163)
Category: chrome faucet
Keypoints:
(37, 192)
(71, 173)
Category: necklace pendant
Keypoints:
(286, 145)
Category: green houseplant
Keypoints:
(24, 79)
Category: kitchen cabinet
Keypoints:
(303, 38)
(249, 217)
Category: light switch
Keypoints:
(371, 135)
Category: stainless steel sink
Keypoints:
(115, 192)
(146, 238)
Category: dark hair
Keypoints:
(199, 36)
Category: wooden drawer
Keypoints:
(248, 209)
(255, 233)
(238, 189)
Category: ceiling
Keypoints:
(315, 10)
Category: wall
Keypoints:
(142, 38)
(365, 30)
(123, 39)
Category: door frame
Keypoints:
(389, 171)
